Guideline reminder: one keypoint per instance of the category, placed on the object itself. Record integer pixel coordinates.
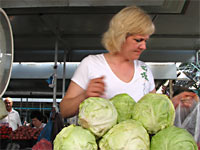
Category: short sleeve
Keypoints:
(146, 74)
(151, 79)
(81, 75)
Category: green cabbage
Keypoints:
(155, 112)
(173, 138)
(127, 135)
(124, 105)
(75, 138)
(98, 115)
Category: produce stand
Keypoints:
(23, 138)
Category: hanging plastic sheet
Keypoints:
(189, 119)
(58, 124)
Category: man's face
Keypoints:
(8, 104)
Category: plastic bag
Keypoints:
(73, 120)
(189, 119)
(58, 124)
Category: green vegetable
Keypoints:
(3, 111)
(75, 138)
(173, 138)
(127, 135)
(98, 115)
(124, 105)
(155, 112)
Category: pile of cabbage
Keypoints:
(122, 124)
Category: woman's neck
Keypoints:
(117, 59)
(121, 67)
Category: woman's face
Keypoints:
(133, 46)
(37, 123)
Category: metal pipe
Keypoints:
(64, 73)
(24, 93)
(197, 57)
(171, 92)
(26, 110)
(21, 107)
(55, 76)
(40, 106)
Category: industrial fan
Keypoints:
(6, 56)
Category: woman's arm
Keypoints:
(69, 105)
(71, 101)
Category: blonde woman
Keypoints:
(119, 70)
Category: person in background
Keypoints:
(119, 70)
(37, 119)
(13, 118)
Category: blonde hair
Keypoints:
(130, 20)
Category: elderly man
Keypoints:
(13, 118)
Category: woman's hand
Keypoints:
(186, 99)
(95, 87)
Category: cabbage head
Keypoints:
(124, 105)
(127, 135)
(173, 138)
(75, 138)
(3, 111)
(155, 112)
(97, 115)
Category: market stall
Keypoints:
(23, 137)
(98, 133)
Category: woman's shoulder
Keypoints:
(93, 58)
(97, 56)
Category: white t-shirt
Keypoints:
(13, 119)
(94, 66)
